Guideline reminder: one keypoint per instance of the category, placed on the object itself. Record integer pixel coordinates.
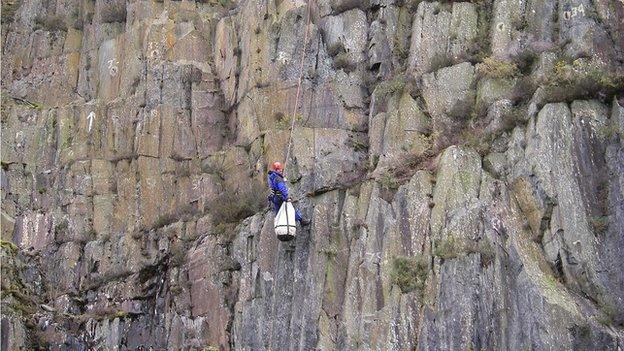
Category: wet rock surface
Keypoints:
(461, 164)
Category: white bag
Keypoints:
(285, 225)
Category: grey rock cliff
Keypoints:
(461, 162)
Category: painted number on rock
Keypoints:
(112, 67)
(574, 11)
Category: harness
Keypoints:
(275, 192)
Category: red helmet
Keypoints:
(277, 166)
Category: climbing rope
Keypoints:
(292, 128)
(303, 56)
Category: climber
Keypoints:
(279, 191)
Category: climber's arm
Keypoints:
(283, 189)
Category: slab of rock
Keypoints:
(441, 36)
(450, 91)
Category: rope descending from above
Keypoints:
(303, 56)
(292, 127)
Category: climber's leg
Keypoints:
(300, 219)
(276, 205)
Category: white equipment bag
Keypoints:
(285, 225)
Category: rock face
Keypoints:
(461, 163)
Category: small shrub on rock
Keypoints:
(335, 49)
(51, 23)
(61, 227)
(409, 273)
(388, 181)
(114, 12)
(607, 313)
(9, 8)
(341, 61)
(224, 229)
(283, 122)
(232, 208)
(76, 19)
(226, 3)
(477, 139)
(177, 254)
(391, 86)
(493, 68)
(609, 130)
(91, 234)
(9, 246)
(164, 220)
(600, 224)
(358, 144)
(447, 248)
(453, 247)
(582, 79)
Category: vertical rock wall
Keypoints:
(461, 163)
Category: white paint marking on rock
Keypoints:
(575, 11)
(153, 50)
(91, 117)
(282, 57)
(112, 67)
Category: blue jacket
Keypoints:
(277, 185)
